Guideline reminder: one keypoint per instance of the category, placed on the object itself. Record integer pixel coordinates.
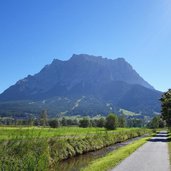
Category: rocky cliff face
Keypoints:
(85, 76)
(81, 75)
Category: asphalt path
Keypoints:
(152, 156)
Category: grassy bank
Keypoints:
(114, 158)
(169, 145)
(43, 152)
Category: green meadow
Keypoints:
(28, 132)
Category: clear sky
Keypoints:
(34, 32)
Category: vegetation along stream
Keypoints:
(78, 162)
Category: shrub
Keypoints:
(111, 121)
(54, 123)
(84, 123)
(101, 123)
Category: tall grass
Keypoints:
(40, 149)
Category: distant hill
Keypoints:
(84, 84)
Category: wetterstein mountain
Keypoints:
(82, 85)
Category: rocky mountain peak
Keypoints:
(100, 80)
(83, 70)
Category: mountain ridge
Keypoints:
(83, 75)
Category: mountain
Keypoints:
(84, 84)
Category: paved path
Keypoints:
(152, 156)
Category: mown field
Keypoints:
(31, 148)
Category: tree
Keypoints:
(43, 118)
(122, 121)
(101, 123)
(30, 120)
(93, 122)
(111, 121)
(162, 123)
(156, 122)
(85, 122)
(64, 121)
(54, 123)
(166, 107)
(135, 122)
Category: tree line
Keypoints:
(112, 121)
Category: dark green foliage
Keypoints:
(30, 120)
(85, 122)
(43, 118)
(64, 121)
(133, 122)
(101, 122)
(122, 121)
(111, 121)
(166, 107)
(156, 122)
(54, 123)
(93, 122)
(97, 122)
(162, 123)
(71, 122)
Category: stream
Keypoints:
(78, 162)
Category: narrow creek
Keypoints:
(78, 162)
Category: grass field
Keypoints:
(21, 132)
(29, 132)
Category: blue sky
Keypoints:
(34, 32)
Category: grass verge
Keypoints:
(169, 145)
(115, 157)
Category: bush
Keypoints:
(84, 123)
(122, 121)
(101, 123)
(111, 122)
(64, 121)
(54, 123)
